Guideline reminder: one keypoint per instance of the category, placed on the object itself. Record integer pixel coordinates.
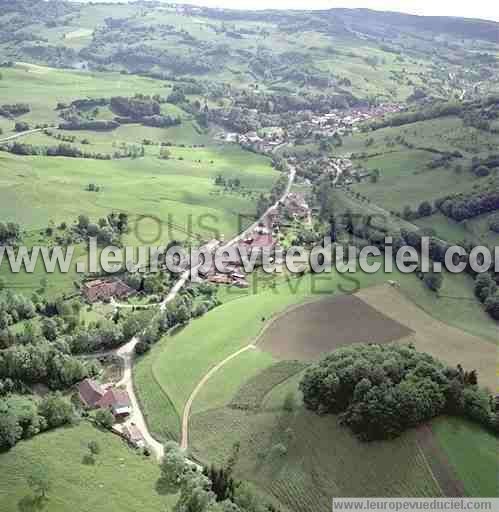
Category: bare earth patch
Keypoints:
(308, 332)
(442, 341)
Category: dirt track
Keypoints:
(442, 341)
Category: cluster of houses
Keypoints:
(335, 122)
(297, 208)
(94, 396)
(341, 121)
(263, 237)
(261, 144)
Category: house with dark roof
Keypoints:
(90, 393)
(117, 401)
(104, 289)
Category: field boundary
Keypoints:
(253, 345)
(168, 399)
(436, 459)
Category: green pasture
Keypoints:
(120, 479)
(472, 451)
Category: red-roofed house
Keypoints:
(117, 400)
(90, 393)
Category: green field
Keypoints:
(474, 230)
(405, 179)
(40, 191)
(321, 460)
(43, 87)
(166, 377)
(473, 454)
(54, 188)
(120, 479)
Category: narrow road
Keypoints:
(187, 409)
(241, 236)
(21, 134)
(127, 351)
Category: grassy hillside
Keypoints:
(321, 459)
(119, 480)
(473, 454)
(405, 177)
(166, 377)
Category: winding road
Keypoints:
(127, 351)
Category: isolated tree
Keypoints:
(39, 481)
(425, 209)
(485, 286)
(83, 221)
(289, 402)
(104, 418)
(375, 175)
(21, 126)
(43, 284)
(434, 281)
(407, 212)
(492, 306)
(94, 447)
(142, 347)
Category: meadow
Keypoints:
(320, 459)
(165, 199)
(472, 452)
(120, 479)
(166, 377)
(43, 87)
(405, 178)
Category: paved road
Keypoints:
(238, 238)
(127, 351)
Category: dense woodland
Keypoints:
(382, 390)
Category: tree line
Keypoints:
(34, 417)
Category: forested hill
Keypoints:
(350, 55)
(368, 21)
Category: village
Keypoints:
(332, 124)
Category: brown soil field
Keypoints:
(308, 332)
(442, 341)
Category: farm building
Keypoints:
(94, 396)
(104, 289)
(117, 400)
(297, 207)
(90, 393)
